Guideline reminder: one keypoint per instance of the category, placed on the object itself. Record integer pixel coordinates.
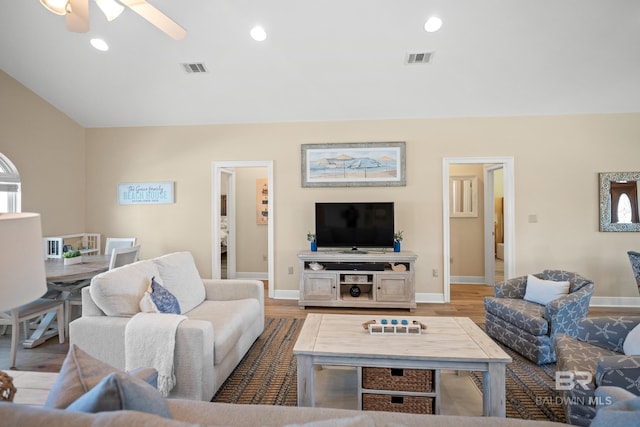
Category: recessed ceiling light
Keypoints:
(258, 34)
(100, 44)
(433, 24)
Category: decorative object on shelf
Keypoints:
(72, 257)
(355, 291)
(23, 278)
(312, 241)
(369, 164)
(397, 238)
(398, 267)
(315, 266)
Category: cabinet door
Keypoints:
(392, 288)
(320, 286)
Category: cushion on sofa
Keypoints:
(179, 275)
(80, 372)
(230, 319)
(544, 291)
(118, 292)
(119, 391)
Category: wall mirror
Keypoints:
(463, 196)
(619, 201)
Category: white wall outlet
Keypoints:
(435, 272)
(290, 270)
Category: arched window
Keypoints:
(9, 186)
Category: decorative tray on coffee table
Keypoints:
(394, 326)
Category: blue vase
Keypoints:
(314, 246)
(396, 246)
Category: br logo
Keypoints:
(568, 380)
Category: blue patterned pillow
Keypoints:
(164, 300)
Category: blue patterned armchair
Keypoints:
(634, 258)
(529, 328)
(597, 348)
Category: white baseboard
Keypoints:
(468, 280)
(615, 302)
(430, 298)
(286, 294)
(252, 275)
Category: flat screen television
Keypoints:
(354, 225)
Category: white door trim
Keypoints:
(216, 169)
(509, 215)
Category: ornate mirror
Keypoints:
(619, 194)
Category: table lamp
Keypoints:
(22, 270)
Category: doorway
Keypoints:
(224, 179)
(506, 164)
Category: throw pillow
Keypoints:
(631, 344)
(118, 292)
(80, 372)
(544, 291)
(118, 391)
(179, 274)
(164, 301)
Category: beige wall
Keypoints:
(47, 148)
(252, 238)
(557, 159)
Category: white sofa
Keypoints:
(225, 317)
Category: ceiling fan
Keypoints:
(77, 14)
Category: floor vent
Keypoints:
(419, 58)
(196, 67)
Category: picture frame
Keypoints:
(365, 164)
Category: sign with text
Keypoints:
(145, 193)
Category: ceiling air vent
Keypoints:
(419, 58)
(196, 67)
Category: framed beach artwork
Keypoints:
(367, 164)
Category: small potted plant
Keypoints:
(312, 239)
(72, 257)
(397, 238)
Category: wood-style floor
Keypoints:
(466, 301)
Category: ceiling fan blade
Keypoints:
(157, 18)
(78, 16)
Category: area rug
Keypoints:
(267, 376)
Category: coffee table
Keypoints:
(455, 343)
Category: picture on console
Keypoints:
(353, 165)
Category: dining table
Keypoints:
(62, 281)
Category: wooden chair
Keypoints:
(118, 242)
(32, 310)
(123, 256)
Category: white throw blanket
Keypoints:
(149, 342)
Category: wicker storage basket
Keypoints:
(390, 403)
(417, 380)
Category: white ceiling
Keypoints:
(330, 60)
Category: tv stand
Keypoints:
(378, 285)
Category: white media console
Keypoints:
(345, 279)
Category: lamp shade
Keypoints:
(22, 271)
